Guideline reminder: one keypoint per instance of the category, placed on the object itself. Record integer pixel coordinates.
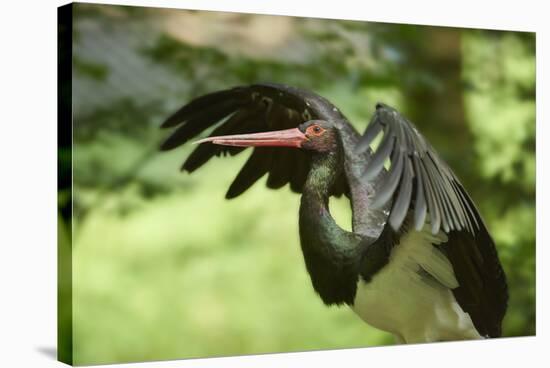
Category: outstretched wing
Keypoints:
(420, 188)
(250, 109)
(417, 178)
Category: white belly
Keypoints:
(411, 297)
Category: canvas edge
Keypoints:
(64, 183)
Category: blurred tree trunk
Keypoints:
(434, 94)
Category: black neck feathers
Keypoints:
(332, 255)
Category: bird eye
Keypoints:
(315, 130)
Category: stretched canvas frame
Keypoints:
(517, 83)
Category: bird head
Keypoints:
(313, 135)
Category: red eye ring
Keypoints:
(315, 130)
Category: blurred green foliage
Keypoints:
(165, 268)
(92, 70)
(500, 68)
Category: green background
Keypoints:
(164, 267)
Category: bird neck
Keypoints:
(331, 253)
(322, 175)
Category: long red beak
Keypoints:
(279, 138)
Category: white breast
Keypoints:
(411, 297)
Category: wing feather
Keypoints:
(401, 204)
(381, 154)
(249, 109)
(428, 191)
(433, 196)
(390, 182)
(420, 208)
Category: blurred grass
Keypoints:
(191, 274)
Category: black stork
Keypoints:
(419, 262)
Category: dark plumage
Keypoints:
(415, 216)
